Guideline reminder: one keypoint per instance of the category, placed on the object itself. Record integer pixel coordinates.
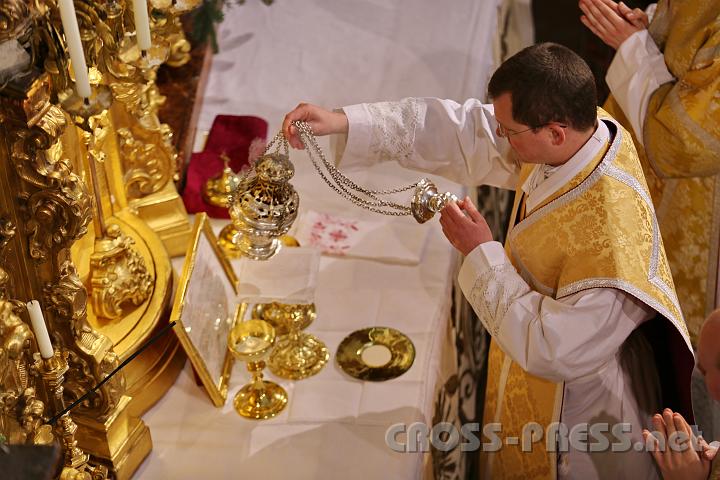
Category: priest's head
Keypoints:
(708, 354)
(545, 103)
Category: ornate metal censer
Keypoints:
(263, 207)
(265, 204)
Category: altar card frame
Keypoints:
(205, 309)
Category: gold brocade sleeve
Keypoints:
(682, 125)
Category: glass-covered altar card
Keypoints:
(205, 308)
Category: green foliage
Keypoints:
(205, 20)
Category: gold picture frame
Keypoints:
(205, 309)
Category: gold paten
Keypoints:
(296, 355)
(207, 286)
(217, 190)
(350, 353)
(252, 341)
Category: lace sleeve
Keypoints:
(393, 128)
(492, 294)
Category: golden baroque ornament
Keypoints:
(60, 211)
(119, 276)
(92, 359)
(21, 412)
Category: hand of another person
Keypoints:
(604, 19)
(676, 463)
(636, 16)
(464, 232)
(709, 450)
(322, 122)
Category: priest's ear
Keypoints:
(558, 133)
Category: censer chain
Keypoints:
(343, 184)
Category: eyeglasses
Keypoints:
(503, 131)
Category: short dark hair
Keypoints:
(547, 83)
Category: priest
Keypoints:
(586, 326)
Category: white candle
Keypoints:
(38, 325)
(142, 24)
(72, 37)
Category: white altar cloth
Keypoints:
(333, 426)
(334, 53)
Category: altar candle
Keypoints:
(38, 325)
(72, 37)
(142, 24)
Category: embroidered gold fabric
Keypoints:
(597, 231)
(681, 160)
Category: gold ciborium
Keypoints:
(296, 355)
(252, 342)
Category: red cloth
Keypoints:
(231, 134)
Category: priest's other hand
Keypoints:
(465, 232)
(613, 23)
(675, 464)
(322, 122)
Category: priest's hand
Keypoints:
(684, 463)
(322, 122)
(464, 232)
(613, 23)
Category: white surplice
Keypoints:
(575, 339)
(637, 70)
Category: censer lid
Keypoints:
(274, 167)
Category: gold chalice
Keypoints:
(252, 342)
(296, 355)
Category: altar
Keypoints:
(334, 424)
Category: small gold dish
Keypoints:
(376, 354)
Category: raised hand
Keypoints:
(322, 122)
(608, 21)
(464, 232)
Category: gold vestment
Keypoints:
(599, 230)
(681, 158)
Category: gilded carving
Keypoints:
(15, 21)
(148, 167)
(92, 358)
(59, 211)
(21, 412)
(7, 232)
(119, 275)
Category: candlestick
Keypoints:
(142, 24)
(38, 325)
(74, 43)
